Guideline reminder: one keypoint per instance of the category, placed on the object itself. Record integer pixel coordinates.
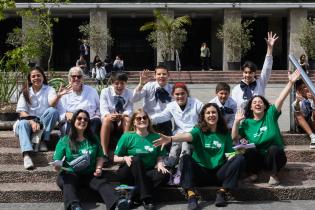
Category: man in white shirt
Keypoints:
(116, 108)
(250, 86)
(156, 95)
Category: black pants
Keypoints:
(204, 63)
(227, 175)
(69, 183)
(145, 181)
(273, 160)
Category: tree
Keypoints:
(168, 34)
(237, 38)
(5, 4)
(307, 38)
(97, 37)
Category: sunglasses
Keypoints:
(138, 119)
(76, 76)
(85, 119)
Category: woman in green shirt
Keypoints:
(259, 125)
(81, 143)
(208, 165)
(142, 163)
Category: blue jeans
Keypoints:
(24, 129)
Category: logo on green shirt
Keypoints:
(261, 131)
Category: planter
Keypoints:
(170, 65)
(10, 116)
(311, 64)
(234, 65)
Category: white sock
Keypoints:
(312, 135)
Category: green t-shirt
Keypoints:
(63, 149)
(210, 148)
(264, 132)
(131, 143)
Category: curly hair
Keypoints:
(73, 134)
(249, 111)
(221, 124)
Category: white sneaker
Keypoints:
(28, 163)
(274, 181)
(312, 145)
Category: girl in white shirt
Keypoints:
(184, 110)
(37, 112)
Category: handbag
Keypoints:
(80, 163)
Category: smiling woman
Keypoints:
(207, 165)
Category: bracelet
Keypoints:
(123, 158)
(171, 140)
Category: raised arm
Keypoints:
(164, 140)
(239, 116)
(285, 92)
(144, 78)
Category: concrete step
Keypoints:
(14, 156)
(294, 172)
(8, 139)
(300, 153)
(49, 192)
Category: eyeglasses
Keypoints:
(85, 119)
(138, 119)
(76, 76)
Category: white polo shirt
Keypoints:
(107, 104)
(147, 93)
(39, 101)
(237, 93)
(87, 100)
(230, 103)
(185, 119)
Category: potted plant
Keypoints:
(307, 39)
(237, 36)
(168, 34)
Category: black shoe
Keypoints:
(220, 201)
(122, 204)
(148, 205)
(192, 203)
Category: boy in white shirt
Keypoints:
(227, 105)
(250, 86)
(156, 95)
(99, 73)
(116, 107)
(304, 110)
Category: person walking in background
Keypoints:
(118, 65)
(204, 56)
(81, 62)
(85, 52)
(303, 62)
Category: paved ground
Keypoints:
(279, 205)
(205, 92)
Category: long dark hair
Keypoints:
(221, 124)
(28, 83)
(73, 134)
(249, 111)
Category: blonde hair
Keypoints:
(131, 126)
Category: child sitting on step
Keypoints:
(304, 111)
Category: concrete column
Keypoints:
(27, 24)
(216, 47)
(159, 56)
(294, 47)
(229, 14)
(99, 17)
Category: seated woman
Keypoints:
(142, 163)
(81, 97)
(208, 164)
(184, 110)
(36, 109)
(82, 143)
(259, 125)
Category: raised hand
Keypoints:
(64, 90)
(272, 38)
(239, 116)
(162, 141)
(144, 76)
(294, 76)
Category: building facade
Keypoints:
(124, 18)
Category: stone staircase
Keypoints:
(200, 77)
(18, 185)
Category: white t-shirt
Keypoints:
(107, 104)
(39, 101)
